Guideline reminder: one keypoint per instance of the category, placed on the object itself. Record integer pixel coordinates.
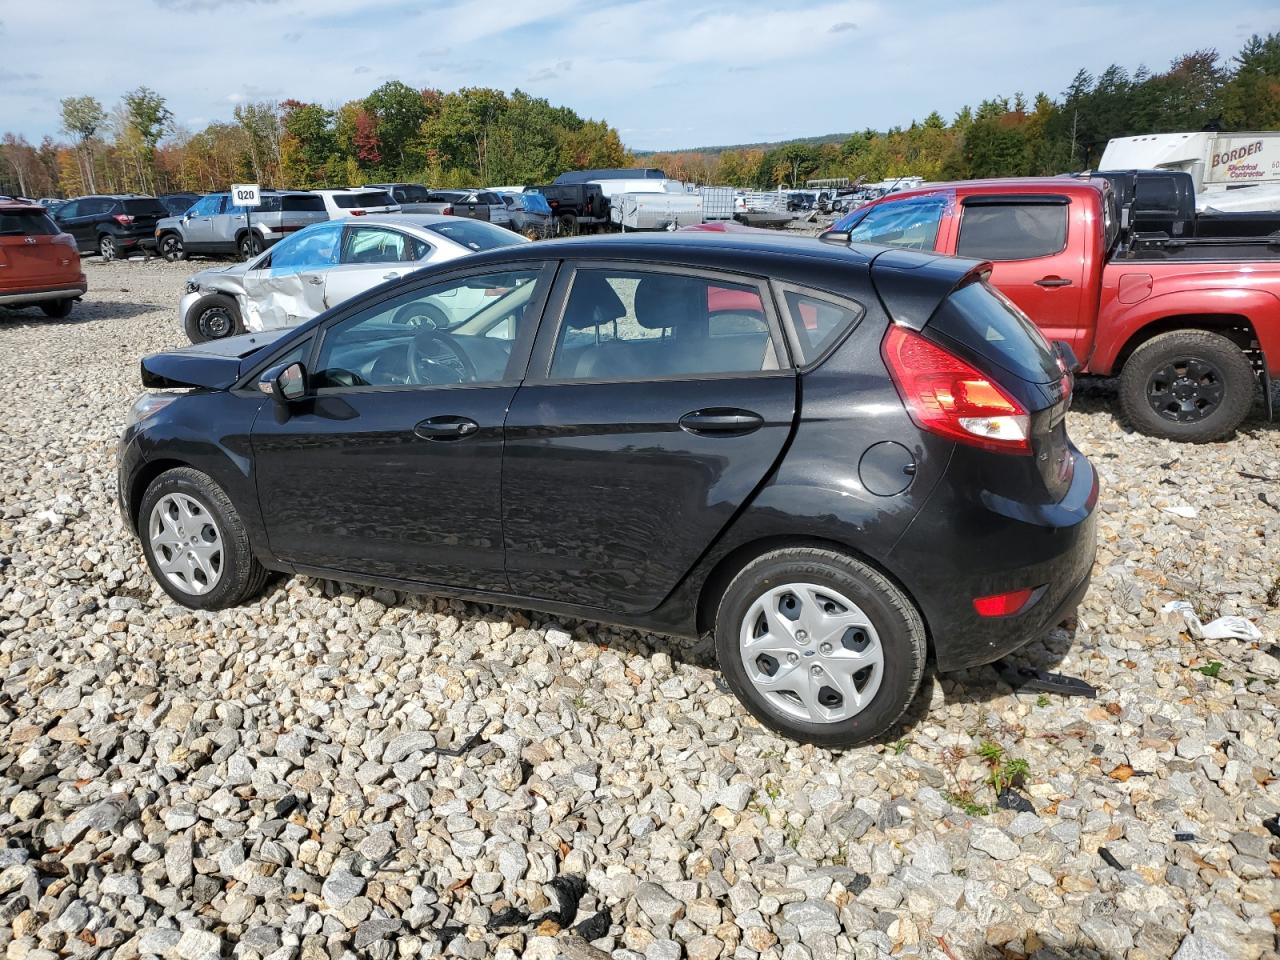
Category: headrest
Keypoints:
(664, 300)
(592, 302)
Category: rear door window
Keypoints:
(1012, 231)
(983, 319)
(642, 325)
(378, 245)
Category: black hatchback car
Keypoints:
(111, 225)
(833, 458)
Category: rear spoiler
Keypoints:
(913, 285)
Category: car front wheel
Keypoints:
(213, 318)
(819, 646)
(195, 542)
(171, 248)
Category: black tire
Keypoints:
(895, 618)
(57, 309)
(107, 247)
(242, 577)
(171, 248)
(1193, 386)
(249, 245)
(567, 224)
(213, 317)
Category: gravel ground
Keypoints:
(338, 772)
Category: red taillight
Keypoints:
(123, 219)
(1003, 604)
(358, 213)
(947, 396)
(447, 211)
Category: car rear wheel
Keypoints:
(250, 246)
(213, 318)
(107, 247)
(171, 248)
(195, 542)
(57, 308)
(1192, 386)
(819, 646)
(568, 225)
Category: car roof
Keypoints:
(999, 185)
(19, 206)
(419, 220)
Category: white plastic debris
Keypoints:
(1220, 629)
(1181, 510)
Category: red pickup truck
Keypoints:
(1190, 326)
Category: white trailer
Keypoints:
(1230, 171)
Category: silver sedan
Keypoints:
(324, 265)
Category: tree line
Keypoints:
(473, 136)
(479, 135)
(1014, 136)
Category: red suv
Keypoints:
(39, 264)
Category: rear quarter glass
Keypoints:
(987, 322)
(145, 208)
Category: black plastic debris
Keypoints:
(595, 926)
(569, 891)
(1029, 680)
(1273, 825)
(467, 745)
(287, 804)
(1109, 859)
(1184, 837)
(448, 931)
(508, 919)
(1009, 799)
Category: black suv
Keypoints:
(831, 458)
(575, 205)
(111, 224)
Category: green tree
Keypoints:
(1251, 98)
(398, 112)
(83, 117)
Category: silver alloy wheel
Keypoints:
(107, 247)
(811, 652)
(186, 543)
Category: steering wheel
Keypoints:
(436, 357)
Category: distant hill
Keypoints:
(770, 145)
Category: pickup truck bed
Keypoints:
(1189, 324)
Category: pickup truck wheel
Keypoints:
(57, 309)
(568, 224)
(171, 248)
(212, 318)
(1192, 386)
(819, 646)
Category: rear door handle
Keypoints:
(1053, 282)
(724, 420)
(446, 428)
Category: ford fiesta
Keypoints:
(832, 458)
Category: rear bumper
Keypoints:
(39, 294)
(959, 549)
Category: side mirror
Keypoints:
(285, 384)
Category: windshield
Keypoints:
(909, 223)
(476, 235)
(369, 198)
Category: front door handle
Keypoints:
(1053, 282)
(315, 280)
(391, 276)
(446, 428)
(722, 420)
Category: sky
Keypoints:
(669, 74)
